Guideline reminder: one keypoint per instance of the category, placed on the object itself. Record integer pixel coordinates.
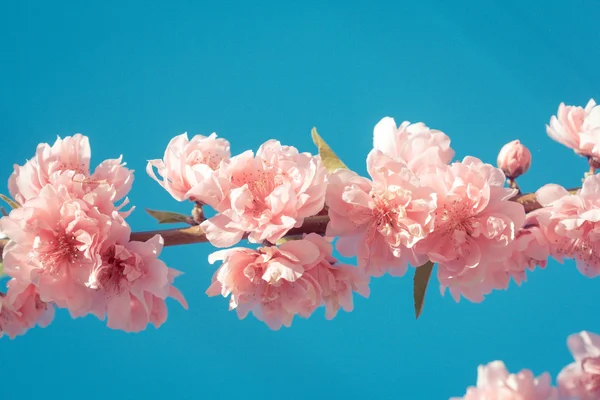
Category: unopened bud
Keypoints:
(514, 159)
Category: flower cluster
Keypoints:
(571, 223)
(295, 278)
(70, 245)
(579, 380)
(418, 206)
(263, 195)
(495, 383)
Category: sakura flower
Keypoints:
(529, 249)
(157, 306)
(56, 242)
(69, 155)
(338, 282)
(188, 167)
(474, 224)
(495, 383)
(266, 195)
(578, 128)
(21, 309)
(380, 221)
(130, 283)
(414, 145)
(277, 283)
(581, 379)
(514, 159)
(571, 223)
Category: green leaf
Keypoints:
(329, 158)
(168, 217)
(421, 279)
(13, 204)
(1, 270)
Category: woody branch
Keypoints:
(316, 224)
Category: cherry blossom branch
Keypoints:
(180, 236)
(316, 224)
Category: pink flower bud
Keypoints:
(514, 159)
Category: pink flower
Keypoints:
(577, 128)
(514, 159)
(21, 309)
(130, 282)
(188, 167)
(414, 145)
(495, 383)
(70, 156)
(266, 195)
(571, 223)
(337, 281)
(55, 243)
(380, 221)
(529, 249)
(475, 223)
(277, 283)
(581, 379)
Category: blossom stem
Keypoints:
(514, 185)
(198, 214)
(592, 171)
(316, 224)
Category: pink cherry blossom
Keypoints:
(56, 242)
(266, 195)
(514, 159)
(188, 167)
(380, 221)
(577, 128)
(529, 249)
(571, 223)
(336, 281)
(129, 275)
(414, 145)
(70, 155)
(21, 309)
(277, 283)
(474, 224)
(494, 382)
(581, 379)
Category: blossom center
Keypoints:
(260, 184)
(586, 252)
(210, 158)
(59, 250)
(456, 216)
(114, 275)
(389, 208)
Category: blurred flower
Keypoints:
(581, 380)
(495, 383)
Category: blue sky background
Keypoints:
(131, 75)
